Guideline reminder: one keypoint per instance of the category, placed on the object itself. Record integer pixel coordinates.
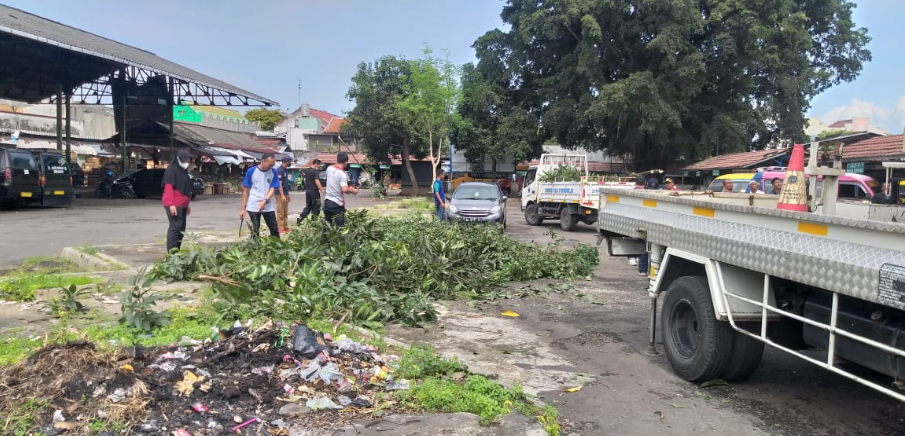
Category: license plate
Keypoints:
(26, 194)
(470, 219)
(59, 193)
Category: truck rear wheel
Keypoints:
(532, 217)
(567, 221)
(697, 346)
(746, 354)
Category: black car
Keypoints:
(20, 177)
(148, 183)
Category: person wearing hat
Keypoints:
(285, 187)
(670, 185)
(177, 194)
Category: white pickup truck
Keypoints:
(569, 201)
(737, 274)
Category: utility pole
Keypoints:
(123, 134)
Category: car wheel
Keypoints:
(567, 221)
(532, 217)
(698, 346)
(141, 196)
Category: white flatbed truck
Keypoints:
(568, 201)
(735, 274)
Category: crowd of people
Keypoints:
(266, 190)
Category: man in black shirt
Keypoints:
(313, 189)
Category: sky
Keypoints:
(267, 46)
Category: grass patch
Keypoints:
(22, 417)
(445, 388)
(22, 287)
(13, 349)
(419, 204)
(46, 265)
(88, 249)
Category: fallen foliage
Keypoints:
(371, 271)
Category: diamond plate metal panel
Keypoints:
(847, 268)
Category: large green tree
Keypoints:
(492, 122)
(378, 119)
(663, 79)
(431, 100)
(268, 118)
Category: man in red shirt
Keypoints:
(177, 194)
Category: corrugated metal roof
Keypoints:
(217, 137)
(739, 160)
(30, 26)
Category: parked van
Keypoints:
(852, 186)
(56, 180)
(19, 178)
(739, 182)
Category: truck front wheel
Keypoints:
(532, 216)
(566, 220)
(697, 345)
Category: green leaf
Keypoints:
(714, 382)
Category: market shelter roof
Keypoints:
(875, 149)
(751, 159)
(39, 53)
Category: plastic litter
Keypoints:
(181, 432)
(166, 366)
(189, 341)
(249, 422)
(263, 370)
(58, 416)
(361, 403)
(279, 423)
(331, 374)
(117, 395)
(200, 408)
(343, 400)
(401, 385)
(322, 403)
(311, 372)
(181, 355)
(305, 342)
(288, 389)
(287, 373)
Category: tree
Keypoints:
(268, 118)
(433, 93)
(492, 123)
(664, 79)
(378, 118)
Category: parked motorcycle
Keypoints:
(109, 188)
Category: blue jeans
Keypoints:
(643, 261)
(441, 213)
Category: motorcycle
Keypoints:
(109, 188)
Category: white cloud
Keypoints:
(889, 118)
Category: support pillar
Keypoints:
(123, 137)
(59, 116)
(68, 128)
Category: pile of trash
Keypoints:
(259, 382)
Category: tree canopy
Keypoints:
(492, 122)
(268, 118)
(378, 118)
(663, 79)
(431, 100)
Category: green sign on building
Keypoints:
(855, 167)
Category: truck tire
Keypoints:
(567, 221)
(746, 354)
(532, 217)
(697, 346)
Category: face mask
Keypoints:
(184, 165)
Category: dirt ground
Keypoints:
(596, 336)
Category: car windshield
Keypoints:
(472, 192)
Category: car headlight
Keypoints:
(495, 210)
(452, 209)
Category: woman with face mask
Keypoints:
(177, 193)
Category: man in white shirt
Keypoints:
(337, 188)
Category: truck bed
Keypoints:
(859, 258)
